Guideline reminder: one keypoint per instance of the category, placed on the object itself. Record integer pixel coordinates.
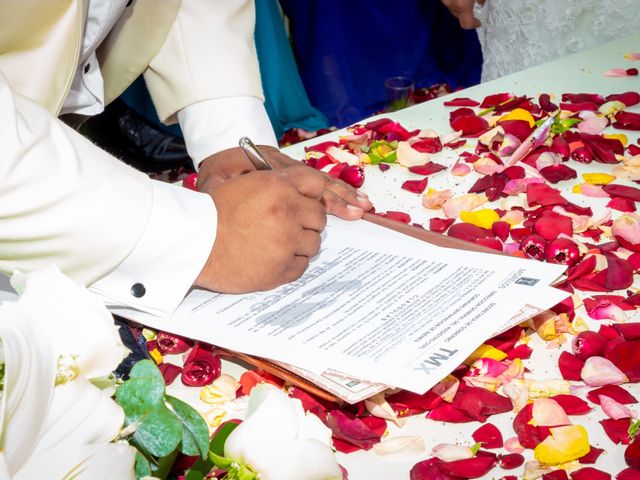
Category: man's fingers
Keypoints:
(337, 206)
(308, 243)
(297, 268)
(308, 181)
(349, 194)
(313, 215)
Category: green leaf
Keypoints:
(194, 475)
(142, 468)
(475, 447)
(219, 461)
(217, 442)
(634, 429)
(157, 430)
(195, 433)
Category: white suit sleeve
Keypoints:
(64, 201)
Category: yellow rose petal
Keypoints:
(598, 178)
(519, 114)
(156, 355)
(563, 445)
(617, 136)
(485, 351)
(481, 218)
(577, 188)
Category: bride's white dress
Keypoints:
(517, 34)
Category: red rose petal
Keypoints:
(626, 356)
(579, 107)
(428, 145)
(546, 104)
(570, 366)
(583, 97)
(480, 403)
(321, 147)
(529, 435)
(628, 98)
(448, 413)
(461, 102)
(558, 173)
(629, 331)
(348, 428)
(514, 172)
(384, 167)
(544, 195)
(572, 405)
(475, 467)
(519, 234)
(616, 392)
(616, 190)
(622, 204)
(501, 230)
(469, 124)
(496, 99)
(634, 149)
(468, 232)
(440, 225)
(589, 473)
(506, 340)
(518, 128)
(619, 273)
(352, 175)
(556, 475)
(377, 124)
(521, 351)
(427, 168)
(629, 474)
(310, 403)
(592, 456)
(560, 146)
(415, 186)
(428, 470)
(406, 403)
(550, 227)
(632, 72)
(627, 121)
(511, 461)
(397, 216)
(632, 454)
(489, 435)
(170, 344)
(169, 372)
(616, 430)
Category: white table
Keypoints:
(579, 73)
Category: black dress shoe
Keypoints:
(135, 140)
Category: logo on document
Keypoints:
(528, 281)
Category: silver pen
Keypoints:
(254, 155)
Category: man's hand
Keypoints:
(269, 225)
(340, 199)
(463, 11)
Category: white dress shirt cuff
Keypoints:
(215, 125)
(169, 256)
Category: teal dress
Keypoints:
(286, 100)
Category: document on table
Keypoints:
(374, 304)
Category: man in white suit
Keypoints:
(137, 242)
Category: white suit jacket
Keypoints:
(63, 200)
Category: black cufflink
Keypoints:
(138, 290)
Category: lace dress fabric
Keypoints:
(518, 34)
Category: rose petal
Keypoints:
(628, 98)
(558, 173)
(169, 372)
(627, 121)
(434, 199)
(590, 473)
(615, 72)
(563, 445)
(632, 454)
(415, 186)
(599, 371)
(592, 456)
(427, 168)
(548, 413)
(617, 430)
(626, 357)
(630, 473)
(511, 461)
(461, 102)
(428, 470)
(448, 413)
(449, 452)
(466, 202)
(572, 405)
(440, 225)
(570, 366)
(400, 447)
(489, 435)
(201, 367)
(615, 392)
(352, 430)
(468, 468)
(613, 409)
